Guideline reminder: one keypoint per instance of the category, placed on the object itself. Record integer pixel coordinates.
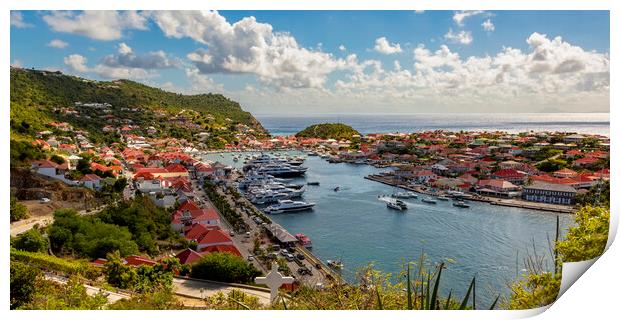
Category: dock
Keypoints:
(516, 203)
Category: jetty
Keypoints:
(389, 180)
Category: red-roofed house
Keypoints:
(497, 188)
(91, 181)
(188, 256)
(138, 261)
(565, 173)
(510, 175)
(183, 218)
(222, 248)
(214, 238)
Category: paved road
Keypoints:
(90, 290)
(200, 289)
(21, 227)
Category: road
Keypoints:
(202, 289)
(90, 290)
(23, 226)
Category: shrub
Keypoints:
(18, 210)
(31, 240)
(224, 267)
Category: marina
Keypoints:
(351, 225)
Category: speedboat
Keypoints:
(429, 200)
(443, 198)
(336, 189)
(396, 204)
(460, 204)
(284, 206)
(313, 183)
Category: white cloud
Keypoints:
(76, 63)
(57, 43)
(460, 16)
(247, 46)
(17, 20)
(382, 45)
(462, 37)
(126, 58)
(98, 25)
(16, 63)
(342, 48)
(488, 25)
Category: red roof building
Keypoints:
(188, 256)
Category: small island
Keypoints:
(338, 131)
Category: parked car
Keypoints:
(300, 256)
(250, 258)
(45, 200)
(232, 233)
(289, 257)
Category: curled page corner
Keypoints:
(571, 271)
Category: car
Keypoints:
(250, 258)
(284, 252)
(247, 234)
(45, 200)
(300, 256)
(232, 233)
(289, 257)
(303, 270)
(317, 265)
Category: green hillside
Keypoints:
(337, 131)
(35, 94)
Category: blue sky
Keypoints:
(337, 61)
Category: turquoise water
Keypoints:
(485, 241)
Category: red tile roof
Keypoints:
(188, 256)
(223, 248)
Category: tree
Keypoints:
(57, 159)
(24, 283)
(18, 210)
(552, 165)
(586, 240)
(50, 295)
(31, 240)
(224, 267)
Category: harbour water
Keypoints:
(594, 123)
(485, 241)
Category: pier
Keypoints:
(389, 180)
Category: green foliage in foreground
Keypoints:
(585, 241)
(224, 267)
(336, 131)
(31, 240)
(163, 299)
(552, 165)
(87, 236)
(18, 210)
(47, 262)
(143, 278)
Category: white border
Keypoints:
(595, 295)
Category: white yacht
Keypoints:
(396, 204)
(429, 200)
(284, 206)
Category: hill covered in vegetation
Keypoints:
(37, 98)
(338, 131)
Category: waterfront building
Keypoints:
(497, 188)
(549, 193)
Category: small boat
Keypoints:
(429, 200)
(336, 189)
(443, 198)
(235, 159)
(335, 264)
(396, 204)
(313, 183)
(460, 204)
(305, 241)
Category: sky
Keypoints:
(336, 61)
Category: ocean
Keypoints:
(594, 123)
(486, 241)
